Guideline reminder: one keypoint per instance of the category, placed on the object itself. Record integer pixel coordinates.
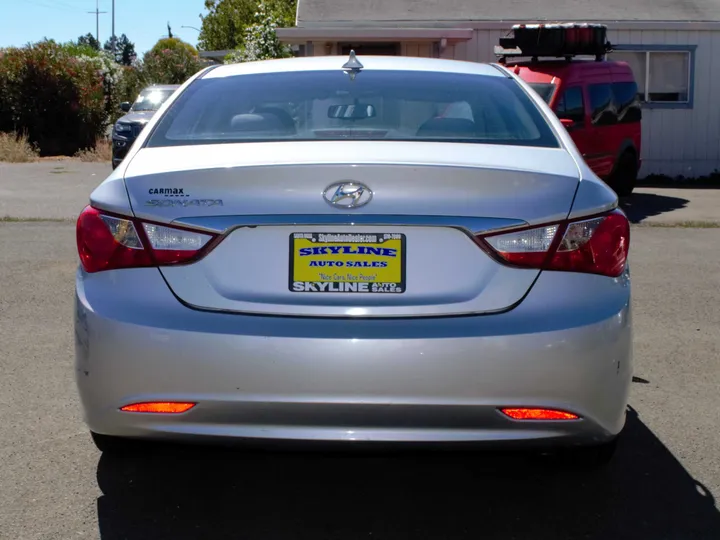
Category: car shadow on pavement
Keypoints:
(639, 206)
(194, 492)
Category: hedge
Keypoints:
(64, 96)
(57, 99)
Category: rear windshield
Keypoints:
(376, 105)
(544, 90)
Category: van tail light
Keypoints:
(109, 242)
(597, 245)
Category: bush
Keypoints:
(101, 153)
(16, 148)
(63, 96)
(131, 82)
(56, 98)
(171, 61)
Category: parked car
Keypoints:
(596, 100)
(302, 249)
(128, 127)
(598, 104)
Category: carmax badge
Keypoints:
(164, 203)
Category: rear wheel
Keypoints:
(623, 178)
(596, 456)
(584, 457)
(112, 445)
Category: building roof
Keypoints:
(327, 12)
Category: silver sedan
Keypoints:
(366, 249)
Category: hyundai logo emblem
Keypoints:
(348, 194)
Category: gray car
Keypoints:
(394, 250)
(139, 113)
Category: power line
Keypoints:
(48, 6)
(53, 4)
(97, 14)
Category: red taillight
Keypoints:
(597, 246)
(163, 407)
(538, 414)
(108, 242)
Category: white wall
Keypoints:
(675, 141)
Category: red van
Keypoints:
(596, 100)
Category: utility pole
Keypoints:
(97, 14)
(112, 39)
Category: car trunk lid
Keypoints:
(408, 252)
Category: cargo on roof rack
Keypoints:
(555, 40)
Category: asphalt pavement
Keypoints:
(663, 484)
(48, 189)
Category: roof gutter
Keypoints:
(416, 25)
(372, 34)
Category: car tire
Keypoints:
(597, 456)
(112, 445)
(591, 457)
(624, 177)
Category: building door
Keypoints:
(370, 49)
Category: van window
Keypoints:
(627, 102)
(544, 90)
(601, 103)
(571, 105)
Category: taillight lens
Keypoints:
(108, 242)
(528, 247)
(171, 245)
(597, 246)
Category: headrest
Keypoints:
(257, 122)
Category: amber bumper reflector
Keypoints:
(538, 414)
(165, 407)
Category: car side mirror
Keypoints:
(569, 124)
(125, 106)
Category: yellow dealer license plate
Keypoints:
(347, 262)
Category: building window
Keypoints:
(663, 74)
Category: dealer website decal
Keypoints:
(347, 263)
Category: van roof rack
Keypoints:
(554, 40)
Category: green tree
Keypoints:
(261, 41)
(170, 61)
(224, 26)
(173, 44)
(285, 11)
(124, 50)
(90, 41)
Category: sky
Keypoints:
(143, 21)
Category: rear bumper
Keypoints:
(566, 346)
